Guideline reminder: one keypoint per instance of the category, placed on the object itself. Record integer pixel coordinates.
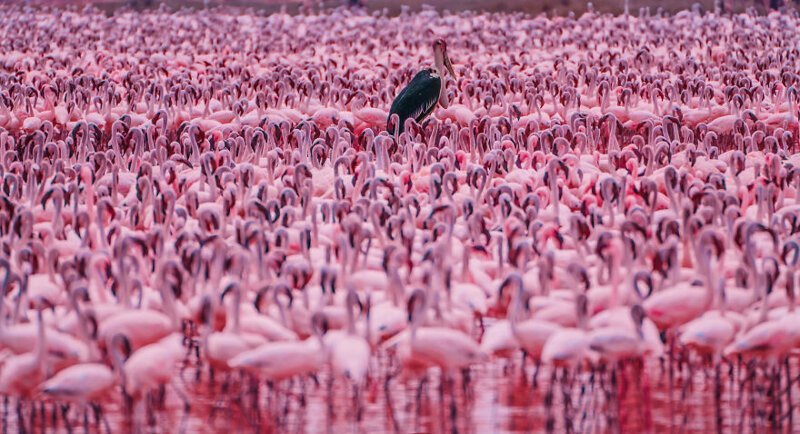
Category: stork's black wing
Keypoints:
(418, 99)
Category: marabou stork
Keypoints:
(418, 99)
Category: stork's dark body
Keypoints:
(418, 99)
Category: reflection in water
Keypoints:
(501, 397)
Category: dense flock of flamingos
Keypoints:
(606, 211)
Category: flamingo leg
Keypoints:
(357, 402)
(566, 400)
(218, 403)
(534, 379)
(644, 392)
(742, 390)
(20, 417)
(548, 403)
(65, 416)
(42, 419)
(53, 417)
(752, 388)
(161, 397)
(731, 381)
(604, 391)
(687, 382)
(390, 403)
(613, 414)
(99, 415)
(420, 390)
(586, 408)
(181, 391)
(32, 417)
(790, 403)
(443, 386)
(330, 396)
(85, 420)
(254, 392)
(772, 394)
(302, 393)
(465, 380)
(718, 397)
(453, 406)
(149, 410)
(623, 393)
(671, 358)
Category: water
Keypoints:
(498, 398)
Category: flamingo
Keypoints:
(280, 360)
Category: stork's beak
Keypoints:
(449, 65)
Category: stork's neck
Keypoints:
(438, 63)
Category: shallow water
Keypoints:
(497, 398)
